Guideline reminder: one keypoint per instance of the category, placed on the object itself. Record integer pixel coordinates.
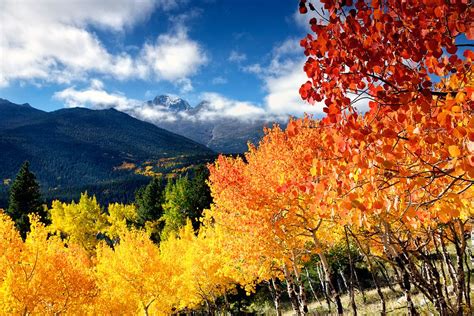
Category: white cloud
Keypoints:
(152, 113)
(282, 77)
(185, 85)
(289, 47)
(302, 20)
(253, 68)
(218, 106)
(172, 56)
(52, 42)
(149, 94)
(282, 60)
(114, 14)
(95, 97)
(237, 57)
(96, 84)
(283, 91)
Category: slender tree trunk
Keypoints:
(290, 287)
(379, 289)
(301, 292)
(329, 276)
(210, 308)
(371, 268)
(434, 280)
(324, 285)
(442, 268)
(472, 242)
(406, 287)
(385, 274)
(404, 277)
(449, 264)
(351, 279)
(311, 286)
(468, 283)
(460, 246)
(330, 282)
(344, 281)
(360, 287)
(276, 295)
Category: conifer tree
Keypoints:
(149, 200)
(199, 195)
(25, 198)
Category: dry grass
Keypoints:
(395, 304)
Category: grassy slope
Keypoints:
(395, 304)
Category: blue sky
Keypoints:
(242, 54)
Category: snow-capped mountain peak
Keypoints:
(172, 103)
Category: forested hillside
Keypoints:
(102, 151)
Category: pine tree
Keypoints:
(185, 198)
(25, 198)
(149, 200)
(199, 195)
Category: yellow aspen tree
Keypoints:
(79, 222)
(42, 275)
(132, 278)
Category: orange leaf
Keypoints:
(454, 151)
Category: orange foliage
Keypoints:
(387, 51)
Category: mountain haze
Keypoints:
(205, 125)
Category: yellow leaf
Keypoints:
(460, 97)
(456, 109)
(454, 151)
(314, 171)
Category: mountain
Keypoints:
(221, 134)
(17, 114)
(173, 104)
(102, 151)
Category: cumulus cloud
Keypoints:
(54, 42)
(283, 92)
(218, 106)
(95, 97)
(152, 113)
(172, 56)
(282, 77)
